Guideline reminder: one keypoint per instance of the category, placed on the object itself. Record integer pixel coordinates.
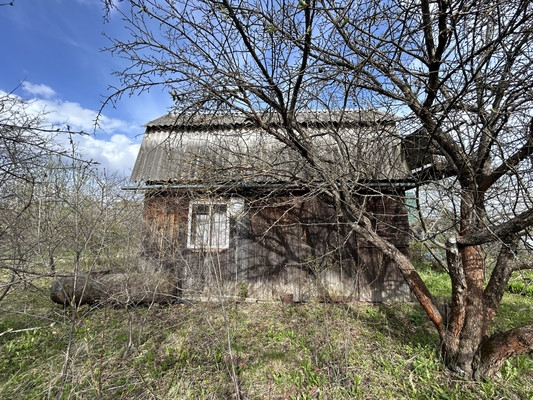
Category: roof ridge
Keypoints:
(234, 118)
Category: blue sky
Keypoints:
(52, 56)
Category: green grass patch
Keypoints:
(261, 351)
(521, 283)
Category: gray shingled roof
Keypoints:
(211, 149)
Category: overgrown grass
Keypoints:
(250, 351)
(521, 283)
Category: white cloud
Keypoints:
(38, 90)
(62, 113)
(115, 155)
(106, 143)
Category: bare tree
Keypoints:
(457, 76)
(57, 211)
(24, 145)
(74, 201)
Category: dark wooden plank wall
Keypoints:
(278, 246)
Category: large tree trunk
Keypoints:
(466, 346)
(472, 332)
(116, 289)
(464, 332)
(490, 354)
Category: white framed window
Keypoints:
(208, 226)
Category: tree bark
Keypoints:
(495, 350)
(456, 315)
(471, 334)
(498, 281)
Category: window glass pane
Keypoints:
(201, 208)
(209, 226)
(201, 232)
(219, 227)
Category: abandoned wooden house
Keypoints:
(234, 212)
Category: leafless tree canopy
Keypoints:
(57, 212)
(456, 74)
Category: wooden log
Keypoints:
(68, 290)
(115, 289)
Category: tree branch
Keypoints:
(498, 281)
(457, 276)
(507, 165)
(495, 350)
(506, 229)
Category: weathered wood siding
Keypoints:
(283, 245)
